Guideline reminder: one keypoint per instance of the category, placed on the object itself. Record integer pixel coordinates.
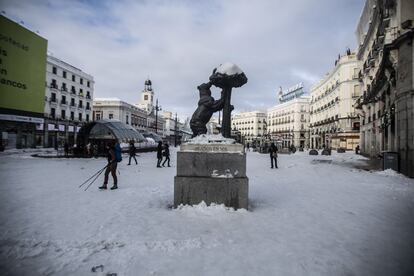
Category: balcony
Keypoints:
(62, 102)
(73, 91)
(88, 108)
(80, 105)
(64, 89)
(88, 96)
(53, 101)
(54, 86)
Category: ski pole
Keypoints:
(96, 177)
(92, 176)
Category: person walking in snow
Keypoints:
(132, 152)
(159, 154)
(273, 155)
(166, 153)
(110, 168)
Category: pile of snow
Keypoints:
(203, 208)
(227, 174)
(229, 69)
(211, 138)
(389, 172)
(305, 218)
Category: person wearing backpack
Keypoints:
(111, 167)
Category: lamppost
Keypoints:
(157, 108)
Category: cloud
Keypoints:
(178, 43)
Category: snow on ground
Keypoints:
(315, 215)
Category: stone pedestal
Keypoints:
(213, 173)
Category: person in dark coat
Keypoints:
(66, 148)
(273, 155)
(132, 152)
(159, 154)
(110, 168)
(166, 153)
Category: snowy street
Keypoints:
(315, 215)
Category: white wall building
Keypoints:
(333, 120)
(115, 109)
(385, 35)
(68, 101)
(288, 123)
(252, 125)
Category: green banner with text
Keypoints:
(22, 68)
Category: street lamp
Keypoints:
(157, 108)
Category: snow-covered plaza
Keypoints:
(315, 215)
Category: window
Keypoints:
(72, 115)
(53, 84)
(145, 97)
(54, 70)
(88, 84)
(73, 90)
(80, 103)
(63, 100)
(63, 114)
(64, 74)
(87, 117)
(53, 97)
(110, 116)
(81, 92)
(88, 106)
(73, 78)
(127, 121)
(80, 117)
(357, 91)
(72, 102)
(88, 95)
(64, 88)
(98, 116)
(52, 113)
(81, 81)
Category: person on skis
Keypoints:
(110, 168)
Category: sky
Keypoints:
(177, 44)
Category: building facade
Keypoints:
(115, 109)
(155, 121)
(385, 34)
(333, 120)
(22, 89)
(147, 97)
(252, 125)
(288, 123)
(68, 102)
